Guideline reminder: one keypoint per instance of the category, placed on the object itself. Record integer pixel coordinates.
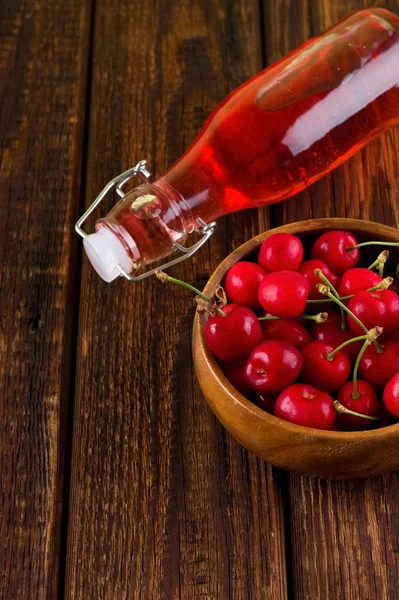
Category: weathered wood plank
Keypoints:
(163, 503)
(43, 56)
(349, 530)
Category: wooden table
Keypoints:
(117, 482)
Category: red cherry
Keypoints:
(304, 404)
(307, 269)
(229, 307)
(332, 335)
(327, 375)
(369, 308)
(378, 368)
(392, 312)
(331, 248)
(288, 330)
(242, 283)
(281, 251)
(391, 396)
(235, 373)
(284, 294)
(357, 280)
(232, 338)
(272, 366)
(366, 404)
(375, 308)
(266, 401)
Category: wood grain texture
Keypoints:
(350, 530)
(164, 504)
(43, 52)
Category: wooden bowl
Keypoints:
(313, 452)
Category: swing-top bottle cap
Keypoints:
(106, 253)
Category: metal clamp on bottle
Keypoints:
(140, 170)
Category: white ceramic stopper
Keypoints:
(105, 252)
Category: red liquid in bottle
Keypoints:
(273, 136)
(296, 121)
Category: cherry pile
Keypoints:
(315, 341)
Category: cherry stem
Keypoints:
(374, 264)
(343, 410)
(319, 318)
(269, 318)
(380, 262)
(383, 285)
(167, 278)
(324, 289)
(382, 259)
(377, 243)
(359, 338)
(371, 336)
(319, 273)
(355, 393)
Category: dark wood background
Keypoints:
(116, 480)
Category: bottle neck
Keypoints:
(141, 229)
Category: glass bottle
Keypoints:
(273, 136)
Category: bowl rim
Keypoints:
(309, 225)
